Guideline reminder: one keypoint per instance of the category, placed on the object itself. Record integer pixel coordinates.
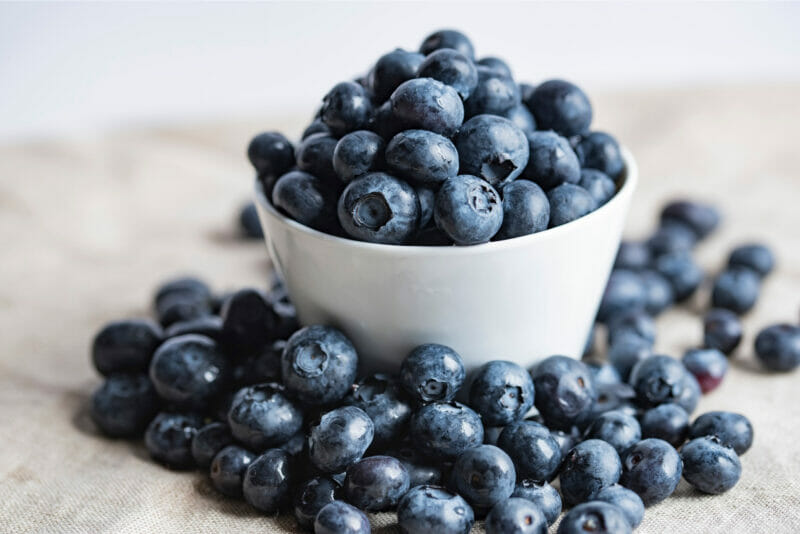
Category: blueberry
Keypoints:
(432, 372)
(124, 405)
(315, 156)
(357, 154)
(632, 255)
(376, 483)
(446, 429)
(702, 219)
(569, 202)
(778, 347)
(541, 494)
(308, 200)
(319, 364)
(492, 148)
(603, 373)
(690, 395)
(657, 379)
(610, 397)
(634, 323)
(340, 438)
(386, 124)
(526, 210)
(669, 422)
(758, 258)
(681, 272)
(552, 161)
(535, 453)
(422, 157)
(261, 416)
(448, 39)
(589, 467)
(384, 401)
(618, 429)
(316, 127)
(428, 104)
(659, 295)
(268, 480)
(125, 346)
(228, 468)
(736, 289)
(722, 330)
(652, 468)
(595, 516)
(707, 365)
(484, 476)
(421, 471)
(265, 366)
(310, 497)
(188, 286)
(710, 466)
(426, 509)
(271, 154)
(346, 108)
(391, 70)
(598, 184)
(468, 210)
(427, 198)
(564, 390)
(452, 68)
(627, 352)
(566, 439)
(169, 438)
(248, 322)
(207, 325)
(671, 238)
(600, 151)
(182, 306)
(341, 518)
(732, 429)
(494, 94)
(521, 117)
(208, 441)
(501, 392)
(626, 500)
(515, 516)
(561, 106)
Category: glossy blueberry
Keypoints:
(552, 161)
(169, 436)
(484, 476)
(681, 272)
(526, 210)
(248, 322)
(432, 372)
(616, 428)
(339, 517)
(595, 516)
(732, 429)
(422, 470)
(659, 295)
(707, 365)
(446, 429)
(307, 199)
(261, 416)
(521, 117)
(669, 422)
(778, 347)
(722, 330)
(564, 391)
(635, 323)
(671, 237)
(535, 453)
(189, 371)
(376, 483)
(701, 218)
(310, 497)
(208, 441)
(494, 94)
(569, 202)
(691, 393)
(501, 392)
(340, 439)
(427, 198)
(736, 289)
(632, 255)
(627, 352)
(316, 126)
(468, 210)
(657, 380)
(515, 516)
(448, 39)
(709, 466)
(384, 401)
(598, 184)
(758, 258)
(125, 346)
(124, 405)
(346, 108)
(228, 468)
(357, 154)
(422, 157)
(543, 495)
(589, 467)
(428, 104)
(561, 106)
(268, 480)
(208, 325)
(652, 468)
(452, 68)
(427, 508)
(600, 151)
(492, 148)
(271, 154)
(315, 156)
(627, 501)
(391, 70)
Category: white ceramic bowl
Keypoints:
(521, 299)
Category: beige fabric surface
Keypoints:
(89, 226)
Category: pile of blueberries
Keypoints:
(437, 148)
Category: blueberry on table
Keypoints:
(428, 104)
(501, 392)
(515, 516)
(521, 117)
(564, 391)
(386, 403)
(376, 483)
(124, 405)
(248, 322)
(736, 289)
(681, 272)
(391, 70)
(340, 438)
(758, 258)
(468, 210)
(271, 154)
(180, 307)
(543, 495)
(595, 516)
(125, 346)
(422, 157)
(526, 210)
(227, 469)
(315, 156)
(627, 352)
(631, 323)
(530, 445)
(261, 416)
(208, 325)
(722, 330)
(484, 476)
(657, 380)
(445, 429)
(448, 39)
(701, 218)
(632, 255)
(561, 106)
(569, 202)
(671, 237)
(188, 286)
(346, 108)
(552, 161)
(494, 94)
(652, 468)
(732, 429)
(208, 441)
(707, 365)
(357, 154)
(669, 422)
(339, 517)
(492, 148)
(616, 397)
(709, 466)
(432, 372)
(690, 394)
(778, 347)
(425, 509)
(618, 429)
(169, 436)
(319, 365)
(600, 151)
(627, 501)
(598, 184)
(268, 481)
(452, 68)
(589, 467)
(659, 295)
(308, 200)
(422, 470)
(310, 497)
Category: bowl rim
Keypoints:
(629, 181)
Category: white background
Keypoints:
(81, 67)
